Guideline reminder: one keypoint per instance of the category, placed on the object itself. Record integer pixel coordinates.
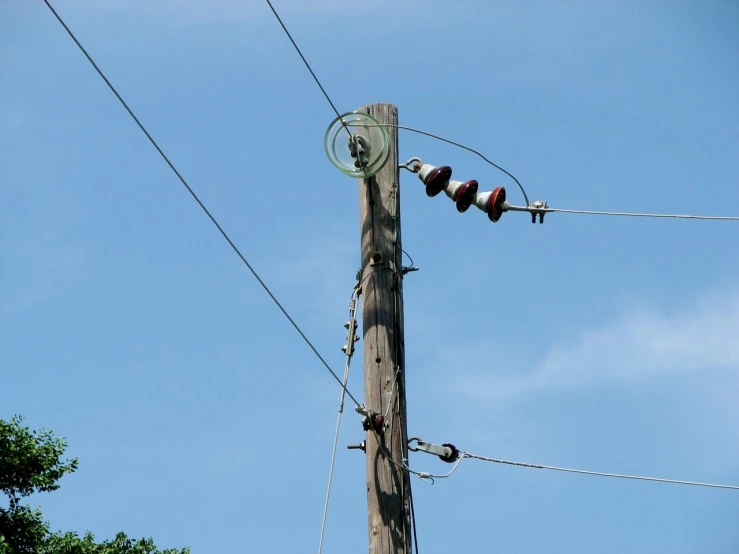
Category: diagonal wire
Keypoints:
(199, 202)
(307, 65)
(597, 473)
(349, 354)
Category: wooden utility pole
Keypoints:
(388, 486)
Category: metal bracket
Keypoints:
(359, 148)
(447, 452)
(351, 327)
(413, 165)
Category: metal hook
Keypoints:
(415, 168)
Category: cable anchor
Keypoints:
(446, 452)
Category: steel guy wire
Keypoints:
(347, 364)
(199, 202)
(632, 214)
(596, 473)
(453, 143)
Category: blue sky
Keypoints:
(200, 418)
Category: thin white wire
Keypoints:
(392, 395)
(425, 475)
(630, 214)
(349, 354)
(597, 473)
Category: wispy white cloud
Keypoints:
(686, 358)
(700, 336)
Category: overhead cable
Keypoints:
(200, 203)
(632, 214)
(307, 65)
(596, 473)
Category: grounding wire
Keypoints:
(413, 516)
(347, 364)
(453, 143)
(199, 202)
(409, 257)
(596, 473)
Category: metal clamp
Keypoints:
(351, 327)
(537, 207)
(446, 452)
(359, 148)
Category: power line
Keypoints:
(596, 473)
(631, 214)
(199, 202)
(307, 65)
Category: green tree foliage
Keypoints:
(71, 543)
(31, 462)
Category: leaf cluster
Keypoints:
(31, 462)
